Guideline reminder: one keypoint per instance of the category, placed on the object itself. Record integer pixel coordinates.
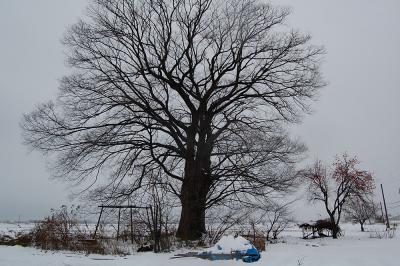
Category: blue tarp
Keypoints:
(228, 248)
(251, 255)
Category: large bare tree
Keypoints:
(199, 89)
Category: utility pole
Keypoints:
(384, 204)
(382, 217)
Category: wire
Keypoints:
(393, 207)
(394, 202)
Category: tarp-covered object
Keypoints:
(231, 247)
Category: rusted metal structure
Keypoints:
(120, 207)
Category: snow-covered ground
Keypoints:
(354, 248)
(12, 228)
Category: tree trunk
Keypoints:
(334, 232)
(193, 199)
(197, 179)
(362, 226)
(335, 227)
(195, 187)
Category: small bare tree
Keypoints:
(360, 209)
(269, 219)
(277, 221)
(159, 219)
(333, 187)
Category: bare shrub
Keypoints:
(389, 233)
(220, 220)
(277, 220)
(256, 236)
(62, 231)
(269, 220)
(54, 232)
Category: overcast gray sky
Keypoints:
(357, 112)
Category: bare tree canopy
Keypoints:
(198, 89)
(361, 208)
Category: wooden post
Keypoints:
(98, 222)
(119, 217)
(384, 204)
(131, 225)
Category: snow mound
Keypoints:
(229, 244)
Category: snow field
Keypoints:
(354, 248)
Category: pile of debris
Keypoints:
(321, 227)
